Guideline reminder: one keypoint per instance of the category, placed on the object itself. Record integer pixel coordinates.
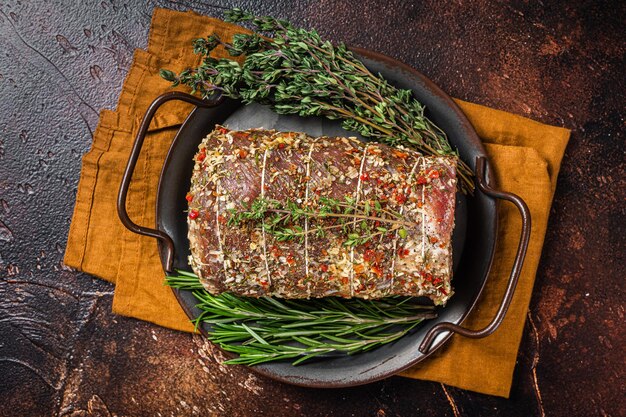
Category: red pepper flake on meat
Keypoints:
(373, 257)
(399, 154)
(242, 153)
(365, 176)
(222, 130)
(324, 268)
(275, 251)
(400, 198)
(193, 214)
(201, 155)
(189, 197)
(427, 276)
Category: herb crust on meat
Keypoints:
(235, 169)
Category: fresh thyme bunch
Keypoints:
(280, 219)
(267, 329)
(296, 72)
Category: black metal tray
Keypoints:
(474, 238)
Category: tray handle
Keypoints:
(132, 162)
(481, 181)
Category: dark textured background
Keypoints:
(63, 352)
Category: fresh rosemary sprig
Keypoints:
(268, 329)
(282, 219)
(296, 72)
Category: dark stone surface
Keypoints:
(63, 352)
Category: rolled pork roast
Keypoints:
(390, 233)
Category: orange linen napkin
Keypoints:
(525, 156)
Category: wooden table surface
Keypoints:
(62, 351)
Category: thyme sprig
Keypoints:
(295, 71)
(267, 329)
(283, 219)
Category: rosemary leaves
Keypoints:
(266, 329)
(295, 71)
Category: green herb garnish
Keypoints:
(280, 219)
(296, 72)
(268, 329)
